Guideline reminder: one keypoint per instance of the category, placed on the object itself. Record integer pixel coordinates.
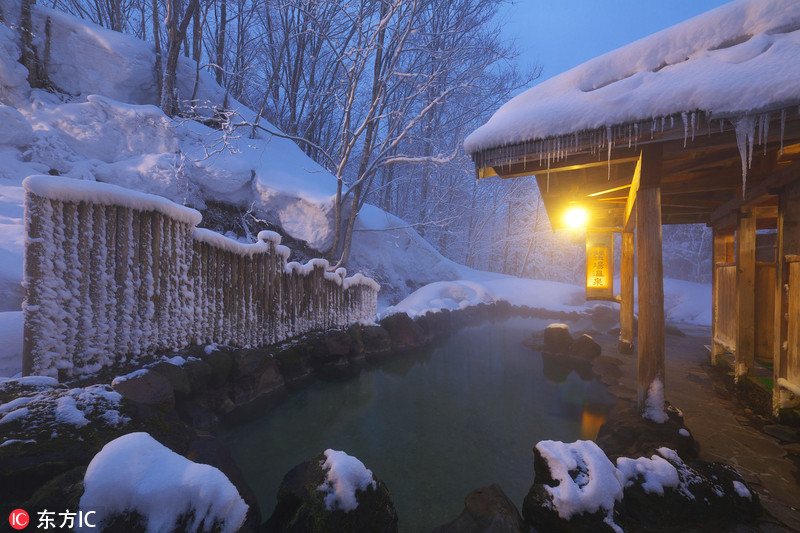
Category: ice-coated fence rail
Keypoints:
(111, 274)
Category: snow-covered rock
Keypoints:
(344, 476)
(577, 488)
(137, 473)
(333, 493)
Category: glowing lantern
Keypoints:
(575, 217)
(600, 265)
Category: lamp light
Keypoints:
(575, 217)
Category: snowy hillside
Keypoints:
(105, 127)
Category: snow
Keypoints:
(741, 490)
(136, 472)
(345, 475)
(587, 482)
(669, 453)
(69, 190)
(684, 301)
(136, 373)
(42, 403)
(654, 404)
(16, 414)
(34, 382)
(17, 441)
(176, 360)
(210, 348)
(595, 486)
(67, 412)
(656, 472)
(742, 58)
(230, 245)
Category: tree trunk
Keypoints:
(30, 57)
(116, 16)
(159, 68)
(197, 40)
(176, 33)
(223, 20)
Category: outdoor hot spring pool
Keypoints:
(434, 425)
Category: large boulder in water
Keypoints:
(486, 510)
(585, 347)
(335, 493)
(404, 332)
(557, 339)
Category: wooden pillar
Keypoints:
(745, 287)
(651, 331)
(626, 294)
(788, 243)
(35, 256)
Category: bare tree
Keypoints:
(379, 83)
(176, 32)
(158, 66)
(30, 56)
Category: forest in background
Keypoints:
(381, 93)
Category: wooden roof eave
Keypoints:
(589, 147)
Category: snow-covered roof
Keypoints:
(738, 59)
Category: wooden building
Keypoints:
(699, 123)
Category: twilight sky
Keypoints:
(561, 34)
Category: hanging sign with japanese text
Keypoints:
(599, 265)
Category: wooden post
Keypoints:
(745, 283)
(626, 294)
(788, 243)
(34, 257)
(651, 331)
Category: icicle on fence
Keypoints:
(111, 274)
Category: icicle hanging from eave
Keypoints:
(745, 132)
(609, 140)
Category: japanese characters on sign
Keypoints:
(599, 265)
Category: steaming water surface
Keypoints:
(434, 425)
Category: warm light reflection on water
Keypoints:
(593, 418)
(435, 425)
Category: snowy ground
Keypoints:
(684, 301)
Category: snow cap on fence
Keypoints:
(306, 269)
(359, 279)
(229, 245)
(269, 236)
(74, 190)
